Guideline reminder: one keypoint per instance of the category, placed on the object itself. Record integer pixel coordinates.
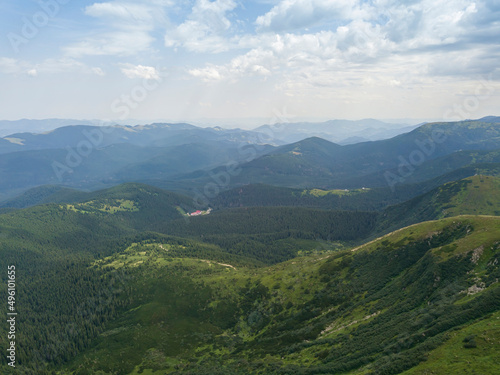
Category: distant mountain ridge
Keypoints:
(155, 135)
(337, 131)
(38, 126)
(183, 157)
(93, 157)
(317, 162)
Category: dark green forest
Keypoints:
(123, 282)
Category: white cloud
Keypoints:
(10, 65)
(140, 71)
(126, 12)
(336, 50)
(274, 55)
(208, 74)
(257, 62)
(299, 14)
(382, 36)
(119, 43)
(206, 29)
(47, 66)
(427, 22)
(98, 71)
(128, 28)
(64, 65)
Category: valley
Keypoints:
(306, 261)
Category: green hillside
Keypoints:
(41, 195)
(120, 281)
(477, 195)
(424, 292)
(275, 234)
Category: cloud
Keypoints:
(303, 49)
(119, 43)
(64, 65)
(10, 65)
(298, 14)
(427, 22)
(140, 71)
(208, 74)
(98, 71)
(271, 55)
(126, 12)
(127, 28)
(206, 29)
(47, 66)
(375, 37)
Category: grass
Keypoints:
(453, 358)
(339, 192)
(113, 206)
(481, 195)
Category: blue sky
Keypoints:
(228, 59)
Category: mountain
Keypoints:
(177, 160)
(41, 195)
(87, 157)
(84, 137)
(38, 126)
(337, 131)
(477, 195)
(426, 292)
(407, 173)
(318, 163)
(122, 280)
(186, 159)
(258, 195)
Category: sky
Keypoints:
(272, 60)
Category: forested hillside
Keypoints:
(123, 281)
(381, 309)
(477, 195)
(315, 162)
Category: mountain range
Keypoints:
(172, 249)
(338, 131)
(182, 157)
(261, 290)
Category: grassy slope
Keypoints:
(471, 196)
(454, 358)
(310, 315)
(482, 194)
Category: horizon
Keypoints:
(229, 124)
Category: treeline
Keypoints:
(336, 225)
(256, 195)
(271, 234)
